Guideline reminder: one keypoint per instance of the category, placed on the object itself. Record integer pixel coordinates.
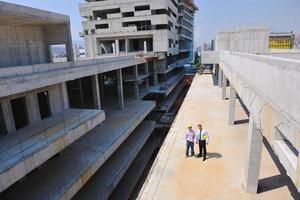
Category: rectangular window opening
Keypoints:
(20, 113)
(44, 104)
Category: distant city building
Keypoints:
(282, 40)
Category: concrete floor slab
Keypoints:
(27, 148)
(62, 176)
(221, 176)
(101, 185)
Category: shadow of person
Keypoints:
(211, 155)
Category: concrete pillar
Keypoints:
(117, 47)
(90, 46)
(145, 46)
(216, 70)
(120, 89)
(114, 48)
(126, 45)
(101, 85)
(136, 83)
(55, 100)
(8, 118)
(32, 107)
(253, 157)
(64, 94)
(232, 103)
(96, 91)
(220, 76)
(224, 87)
(155, 76)
(147, 73)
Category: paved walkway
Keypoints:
(221, 176)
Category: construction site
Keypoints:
(112, 125)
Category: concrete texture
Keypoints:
(27, 33)
(28, 148)
(19, 79)
(101, 185)
(64, 175)
(220, 177)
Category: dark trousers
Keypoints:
(189, 145)
(202, 148)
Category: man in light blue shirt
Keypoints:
(202, 139)
(190, 139)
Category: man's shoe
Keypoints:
(204, 159)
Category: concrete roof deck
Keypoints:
(63, 176)
(27, 148)
(14, 14)
(19, 79)
(221, 176)
(101, 185)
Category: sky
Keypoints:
(213, 15)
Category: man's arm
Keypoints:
(207, 140)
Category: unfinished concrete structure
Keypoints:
(63, 124)
(267, 83)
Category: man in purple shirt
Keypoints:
(190, 138)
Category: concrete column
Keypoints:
(145, 46)
(120, 89)
(8, 118)
(155, 76)
(126, 45)
(147, 73)
(220, 76)
(90, 46)
(101, 85)
(117, 47)
(96, 91)
(216, 70)
(224, 87)
(136, 83)
(232, 103)
(95, 46)
(253, 157)
(55, 99)
(32, 107)
(64, 94)
(114, 48)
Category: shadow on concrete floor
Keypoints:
(242, 121)
(211, 155)
(281, 180)
(215, 79)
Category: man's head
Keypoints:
(200, 126)
(190, 127)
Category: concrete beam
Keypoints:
(253, 157)
(120, 89)
(224, 87)
(96, 92)
(232, 102)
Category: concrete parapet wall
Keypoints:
(209, 57)
(21, 158)
(26, 78)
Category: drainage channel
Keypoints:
(134, 178)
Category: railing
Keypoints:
(70, 176)
(24, 147)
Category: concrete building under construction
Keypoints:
(72, 129)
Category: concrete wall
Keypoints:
(250, 40)
(22, 45)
